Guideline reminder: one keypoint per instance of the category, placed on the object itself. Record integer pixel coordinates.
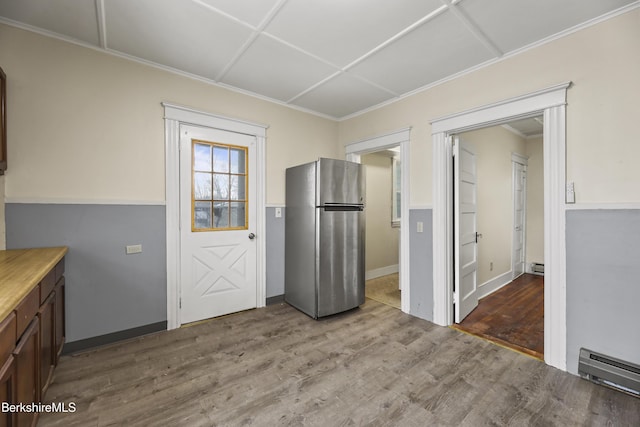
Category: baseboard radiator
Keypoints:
(537, 268)
(609, 371)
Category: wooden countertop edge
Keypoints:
(14, 287)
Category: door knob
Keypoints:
(252, 236)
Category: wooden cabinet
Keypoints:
(59, 324)
(8, 390)
(27, 356)
(32, 329)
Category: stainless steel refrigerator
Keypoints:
(324, 237)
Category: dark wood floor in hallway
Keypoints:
(373, 366)
(512, 316)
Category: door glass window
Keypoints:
(219, 187)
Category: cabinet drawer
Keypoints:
(8, 336)
(47, 284)
(27, 310)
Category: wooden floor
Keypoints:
(373, 366)
(512, 316)
(384, 289)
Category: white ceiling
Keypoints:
(332, 57)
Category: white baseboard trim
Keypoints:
(382, 271)
(490, 286)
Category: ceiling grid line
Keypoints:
(257, 31)
(102, 24)
(474, 29)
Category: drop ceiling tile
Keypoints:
(275, 70)
(73, 18)
(249, 11)
(514, 24)
(179, 34)
(435, 50)
(342, 95)
(341, 31)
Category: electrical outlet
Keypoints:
(134, 249)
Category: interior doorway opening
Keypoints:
(383, 200)
(498, 209)
(395, 140)
(551, 103)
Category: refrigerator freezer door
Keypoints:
(340, 182)
(300, 239)
(340, 261)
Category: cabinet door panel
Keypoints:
(8, 390)
(59, 319)
(27, 370)
(47, 342)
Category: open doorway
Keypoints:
(499, 220)
(397, 139)
(383, 214)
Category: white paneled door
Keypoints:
(465, 234)
(519, 215)
(217, 223)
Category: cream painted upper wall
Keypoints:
(602, 61)
(382, 240)
(85, 125)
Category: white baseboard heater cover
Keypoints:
(537, 268)
(609, 371)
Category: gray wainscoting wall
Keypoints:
(421, 263)
(106, 290)
(275, 254)
(603, 285)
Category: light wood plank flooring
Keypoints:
(371, 366)
(384, 289)
(512, 316)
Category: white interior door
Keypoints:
(519, 218)
(465, 234)
(218, 260)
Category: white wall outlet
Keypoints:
(420, 227)
(571, 192)
(134, 249)
(278, 212)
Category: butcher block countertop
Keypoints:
(21, 270)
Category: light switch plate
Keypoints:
(420, 226)
(278, 212)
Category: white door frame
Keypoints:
(524, 161)
(174, 116)
(400, 138)
(550, 102)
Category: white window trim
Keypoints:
(174, 116)
(400, 137)
(551, 103)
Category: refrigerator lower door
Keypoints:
(340, 282)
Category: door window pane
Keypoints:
(238, 163)
(238, 214)
(219, 193)
(202, 186)
(220, 159)
(237, 187)
(202, 215)
(220, 186)
(202, 157)
(220, 214)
